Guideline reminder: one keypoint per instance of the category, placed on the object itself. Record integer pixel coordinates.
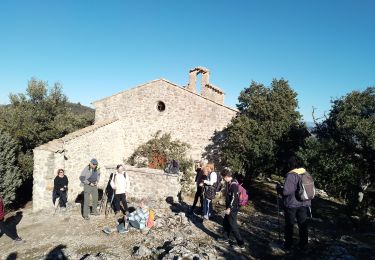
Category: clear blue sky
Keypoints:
(97, 48)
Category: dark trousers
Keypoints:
(198, 195)
(291, 214)
(207, 205)
(230, 225)
(121, 198)
(63, 198)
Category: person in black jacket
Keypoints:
(60, 188)
(231, 210)
(199, 177)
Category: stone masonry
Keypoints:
(149, 183)
(126, 120)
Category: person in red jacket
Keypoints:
(5, 225)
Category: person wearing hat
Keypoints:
(89, 179)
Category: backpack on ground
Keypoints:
(151, 218)
(2, 209)
(305, 187)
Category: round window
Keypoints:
(160, 106)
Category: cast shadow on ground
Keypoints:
(9, 227)
(196, 220)
(12, 256)
(57, 253)
(225, 250)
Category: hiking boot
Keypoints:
(238, 247)
(123, 231)
(223, 240)
(86, 218)
(18, 241)
(95, 213)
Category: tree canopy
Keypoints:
(10, 173)
(159, 151)
(266, 131)
(31, 119)
(342, 152)
(40, 115)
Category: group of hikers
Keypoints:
(209, 183)
(119, 185)
(296, 194)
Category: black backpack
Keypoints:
(305, 188)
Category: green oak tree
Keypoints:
(10, 174)
(341, 154)
(265, 133)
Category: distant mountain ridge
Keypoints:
(79, 109)
(76, 108)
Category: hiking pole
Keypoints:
(104, 198)
(312, 223)
(108, 209)
(278, 216)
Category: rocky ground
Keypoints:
(178, 235)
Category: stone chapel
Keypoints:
(124, 121)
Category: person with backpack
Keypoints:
(232, 206)
(60, 189)
(295, 205)
(209, 185)
(89, 179)
(4, 226)
(173, 167)
(120, 183)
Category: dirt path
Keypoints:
(176, 233)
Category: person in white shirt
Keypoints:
(120, 183)
(209, 190)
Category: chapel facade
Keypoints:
(128, 119)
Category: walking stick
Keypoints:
(278, 216)
(108, 209)
(102, 201)
(312, 223)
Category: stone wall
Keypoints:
(104, 143)
(144, 182)
(43, 170)
(150, 183)
(189, 117)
